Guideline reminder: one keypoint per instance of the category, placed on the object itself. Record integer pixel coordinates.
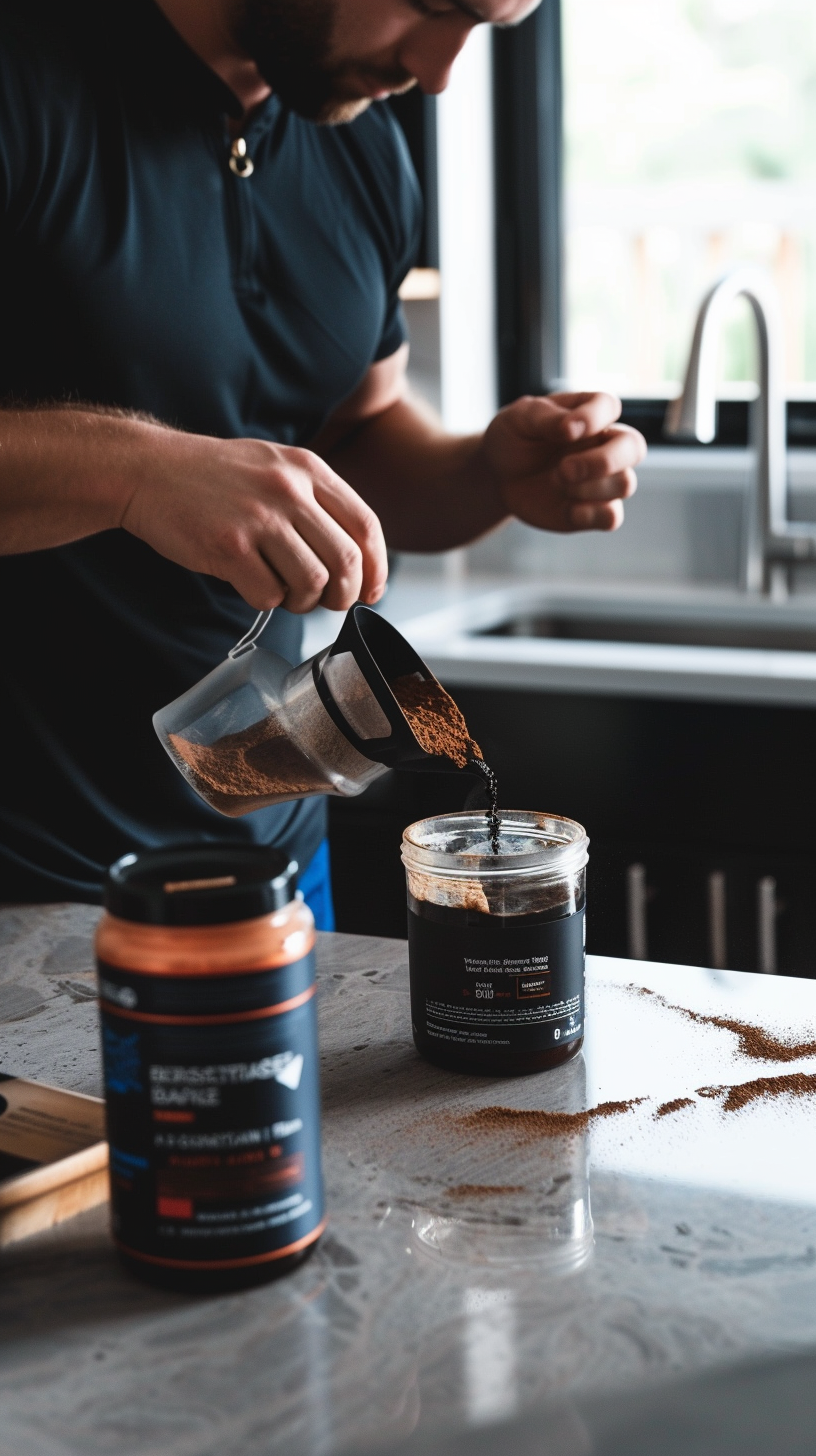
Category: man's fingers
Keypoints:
(330, 550)
(563, 462)
(339, 553)
(564, 419)
(325, 544)
(304, 574)
(605, 517)
(540, 417)
(587, 414)
(619, 486)
(571, 400)
(359, 522)
(258, 583)
(618, 449)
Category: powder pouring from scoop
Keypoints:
(439, 727)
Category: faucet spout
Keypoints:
(770, 541)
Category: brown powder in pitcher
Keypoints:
(527, 1125)
(259, 762)
(755, 1042)
(435, 721)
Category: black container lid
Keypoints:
(200, 884)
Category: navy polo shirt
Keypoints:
(137, 270)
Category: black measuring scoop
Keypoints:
(353, 680)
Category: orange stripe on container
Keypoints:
(225, 1263)
(227, 1018)
(239, 948)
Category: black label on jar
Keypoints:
(504, 987)
(213, 1115)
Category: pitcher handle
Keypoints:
(247, 642)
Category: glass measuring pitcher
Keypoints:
(257, 731)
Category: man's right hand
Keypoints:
(274, 521)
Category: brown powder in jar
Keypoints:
(755, 1042)
(459, 894)
(259, 762)
(484, 1190)
(527, 1125)
(667, 1108)
(434, 719)
(741, 1094)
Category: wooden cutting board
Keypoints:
(53, 1156)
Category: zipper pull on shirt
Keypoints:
(240, 163)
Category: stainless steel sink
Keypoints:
(572, 626)
(616, 639)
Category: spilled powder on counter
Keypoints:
(436, 722)
(528, 1125)
(755, 1042)
(742, 1094)
(667, 1108)
(258, 762)
(484, 1190)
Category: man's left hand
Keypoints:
(561, 462)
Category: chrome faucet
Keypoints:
(771, 542)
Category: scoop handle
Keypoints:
(247, 642)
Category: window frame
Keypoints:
(529, 189)
(531, 301)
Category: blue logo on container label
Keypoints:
(123, 1062)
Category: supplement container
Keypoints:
(209, 1035)
(257, 731)
(496, 941)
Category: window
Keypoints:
(689, 146)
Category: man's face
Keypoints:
(329, 59)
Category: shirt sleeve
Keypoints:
(395, 330)
(406, 206)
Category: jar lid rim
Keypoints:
(558, 845)
(200, 884)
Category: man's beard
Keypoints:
(290, 42)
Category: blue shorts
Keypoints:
(315, 885)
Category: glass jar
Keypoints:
(205, 959)
(496, 941)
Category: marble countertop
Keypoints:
(640, 1249)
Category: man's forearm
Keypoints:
(428, 487)
(273, 520)
(66, 473)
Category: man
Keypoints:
(204, 224)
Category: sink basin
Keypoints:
(587, 626)
(616, 639)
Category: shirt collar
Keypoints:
(152, 50)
